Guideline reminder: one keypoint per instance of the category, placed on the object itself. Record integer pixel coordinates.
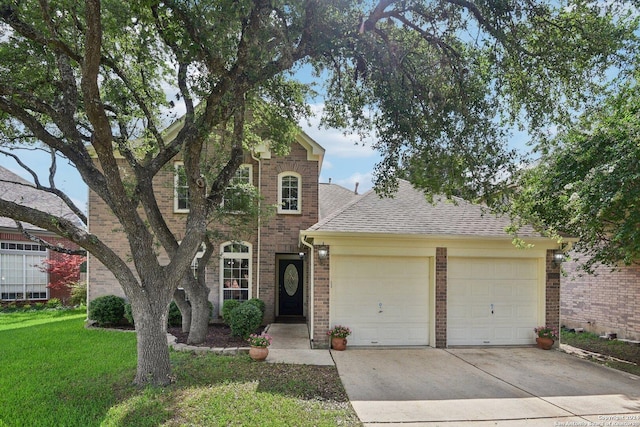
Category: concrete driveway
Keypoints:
(485, 386)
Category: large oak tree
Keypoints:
(436, 81)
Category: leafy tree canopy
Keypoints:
(587, 183)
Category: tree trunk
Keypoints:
(200, 313)
(154, 366)
(185, 308)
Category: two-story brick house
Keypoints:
(399, 271)
(267, 264)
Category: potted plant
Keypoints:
(339, 336)
(259, 346)
(546, 336)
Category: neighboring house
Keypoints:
(605, 302)
(398, 271)
(21, 277)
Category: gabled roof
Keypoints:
(14, 188)
(409, 213)
(332, 197)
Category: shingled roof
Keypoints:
(333, 197)
(16, 189)
(409, 212)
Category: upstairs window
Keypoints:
(238, 194)
(180, 189)
(289, 192)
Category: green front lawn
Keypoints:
(627, 352)
(53, 371)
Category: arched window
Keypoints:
(289, 193)
(235, 271)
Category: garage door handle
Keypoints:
(491, 308)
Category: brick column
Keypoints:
(552, 292)
(321, 301)
(441, 297)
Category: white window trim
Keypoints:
(248, 166)
(281, 210)
(25, 266)
(230, 255)
(176, 208)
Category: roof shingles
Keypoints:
(409, 212)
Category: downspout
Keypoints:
(257, 159)
(311, 284)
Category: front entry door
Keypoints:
(290, 285)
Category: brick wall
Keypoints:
(441, 297)
(322, 286)
(279, 234)
(552, 292)
(603, 302)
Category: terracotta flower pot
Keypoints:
(339, 344)
(258, 353)
(544, 343)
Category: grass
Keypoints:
(613, 348)
(53, 371)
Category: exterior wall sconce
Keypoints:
(323, 252)
(558, 257)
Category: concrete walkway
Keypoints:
(291, 344)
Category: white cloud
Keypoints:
(335, 141)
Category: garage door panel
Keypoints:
(384, 300)
(508, 286)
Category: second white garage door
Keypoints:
(492, 301)
(384, 300)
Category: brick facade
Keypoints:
(321, 297)
(552, 291)
(441, 297)
(278, 235)
(604, 302)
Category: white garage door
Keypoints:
(384, 300)
(492, 301)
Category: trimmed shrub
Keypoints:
(128, 314)
(38, 306)
(244, 320)
(107, 310)
(228, 306)
(78, 294)
(54, 303)
(26, 307)
(258, 303)
(175, 317)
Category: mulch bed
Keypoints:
(218, 335)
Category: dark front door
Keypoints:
(290, 286)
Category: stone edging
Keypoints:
(171, 340)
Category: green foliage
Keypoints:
(587, 184)
(54, 303)
(128, 314)
(78, 294)
(107, 310)
(228, 306)
(175, 317)
(258, 303)
(244, 320)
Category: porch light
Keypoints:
(558, 257)
(323, 252)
